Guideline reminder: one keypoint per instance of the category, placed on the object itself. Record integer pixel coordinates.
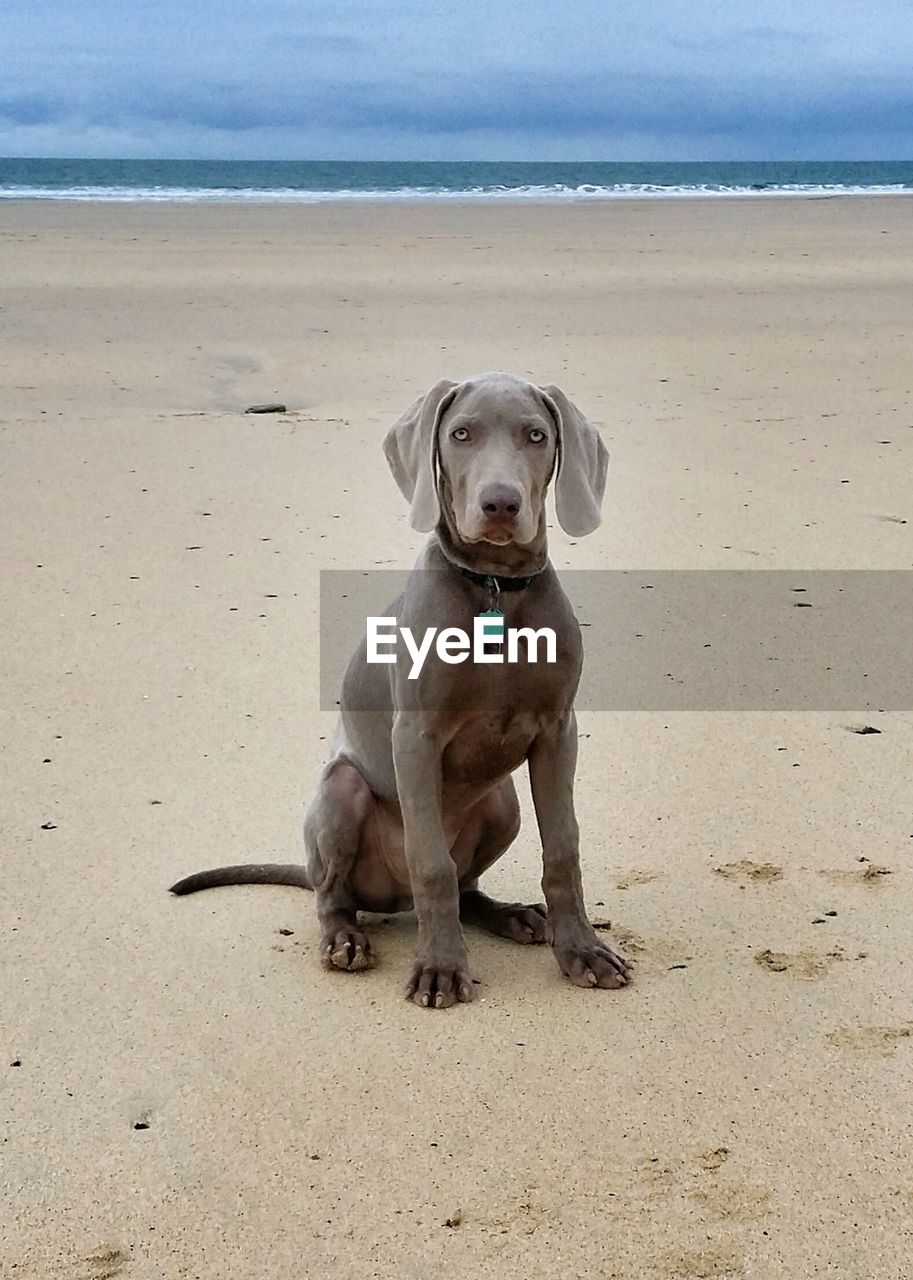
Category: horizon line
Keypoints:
(375, 160)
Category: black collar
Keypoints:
(494, 584)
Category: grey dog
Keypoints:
(417, 800)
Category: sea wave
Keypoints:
(545, 193)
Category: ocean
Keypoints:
(191, 181)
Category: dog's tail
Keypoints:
(251, 873)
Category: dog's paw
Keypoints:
(521, 924)
(438, 985)
(347, 949)
(590, 963)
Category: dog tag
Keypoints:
(492, 627)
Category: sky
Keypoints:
(458, 79)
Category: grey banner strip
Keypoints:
(697, 640)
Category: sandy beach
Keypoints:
(185, 1091)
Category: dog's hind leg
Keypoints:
(333, 832)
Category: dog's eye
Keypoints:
(537, 436)
(459, 433)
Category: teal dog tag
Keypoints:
(493, 626)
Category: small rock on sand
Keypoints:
(266, 408)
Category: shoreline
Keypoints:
(464, 200)
(633, 226)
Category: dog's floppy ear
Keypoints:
(583, 462)
(409, 447)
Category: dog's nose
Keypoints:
(501, 502)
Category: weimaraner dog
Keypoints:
(417, 800)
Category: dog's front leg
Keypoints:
(440, 974)
(581, 954)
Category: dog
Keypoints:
(417, 800)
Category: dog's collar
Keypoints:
(494, 584)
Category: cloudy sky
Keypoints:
(458, 79)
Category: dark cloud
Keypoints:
(33, 109)
(520, 103)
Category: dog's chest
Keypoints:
(489, 745)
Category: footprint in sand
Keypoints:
(724, 1197)
(239, 362)
(807, 965)
(713, 1158)
(520, 1216)
(698, 1183)
(226, 373)
(629, 879)
(105, 1264)
(740, 1202)
(880, 1040)
(717, 1262)
(873, 874)
(667, 952)
(656, 1178)
(747, 872)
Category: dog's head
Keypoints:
(488, 448)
